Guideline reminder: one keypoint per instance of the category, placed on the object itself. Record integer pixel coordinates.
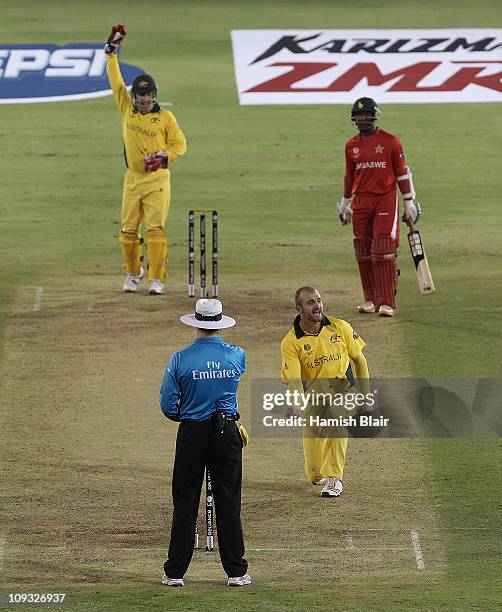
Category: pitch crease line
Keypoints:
(3, 541)
(418, 551)
(38, 298)
(432, 529)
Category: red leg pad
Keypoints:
(362, 249)
(383, 257)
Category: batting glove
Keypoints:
(412, 212)
(344, 211)
(116, 37)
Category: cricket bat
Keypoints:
(424, 278)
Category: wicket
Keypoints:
(202, 245)
(209, 514)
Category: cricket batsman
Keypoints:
(152, 141)
(375, 167)
(323, 354)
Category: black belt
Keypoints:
(219, 419)
(229, 417)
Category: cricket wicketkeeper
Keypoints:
(152, 140)
(375, 167)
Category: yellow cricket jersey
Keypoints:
(324, 355)
(143, 134)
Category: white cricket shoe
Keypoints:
(367, 307)
(132, 281)
(239, 581)
(174, 582)
(385, 311)
(333, 487)
(321, 481)
(156, 287)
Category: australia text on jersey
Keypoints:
(323, 359)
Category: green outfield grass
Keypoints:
(86, 455)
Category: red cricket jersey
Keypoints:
(373, 164)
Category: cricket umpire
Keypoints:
(200, 391)
(152, 140)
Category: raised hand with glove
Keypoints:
(344, 211)
(116, 37)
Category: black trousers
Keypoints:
(200, 444)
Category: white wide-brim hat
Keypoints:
(208, 315)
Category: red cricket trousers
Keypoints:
(375, 220)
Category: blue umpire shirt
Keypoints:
(202, 379)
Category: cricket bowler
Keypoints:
(374, 167)
(322, 352)
(152, 141)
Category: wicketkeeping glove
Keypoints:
(344, 211)
(117, 35)
(154, 161)
(412, 212)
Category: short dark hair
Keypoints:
(298, 294)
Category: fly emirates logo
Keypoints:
(213, 370)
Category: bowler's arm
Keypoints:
(361, 372)
(291, 372)
(291, 368)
